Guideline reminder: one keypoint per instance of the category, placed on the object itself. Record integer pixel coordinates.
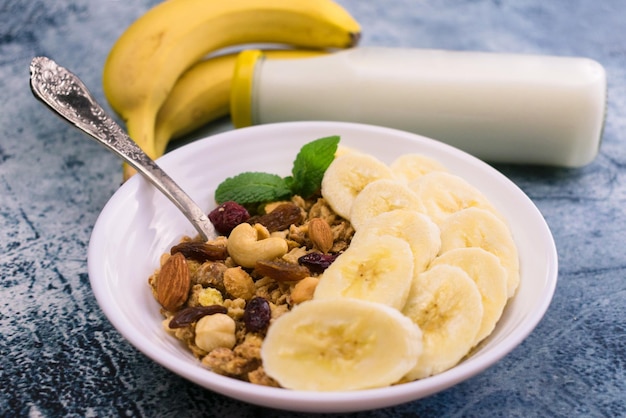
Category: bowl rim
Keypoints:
(305, 401)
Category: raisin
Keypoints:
(317, 262)
(200, 251)
(227, 216)
(282, 217)
(257, 314)
(188, 315)
(281, 271)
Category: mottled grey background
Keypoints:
(61, 357)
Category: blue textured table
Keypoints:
(61, 357)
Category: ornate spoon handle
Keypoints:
(66, 95)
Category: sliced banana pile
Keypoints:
(426, 278)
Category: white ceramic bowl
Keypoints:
(138, 224)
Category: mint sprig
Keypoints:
(311, 164)
(251, 188)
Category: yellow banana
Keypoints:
(148, 58)
(201, 95)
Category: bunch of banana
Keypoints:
(441, 257)
(202, 95)
(149, 58)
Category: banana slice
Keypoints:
(347, 175)
(415, 228)
(340, 344)
(343, 150)
(446, 304)
(377, 269)
(382, 196)
(444, 193)
(409, 167)
(487, 272)
(474, 227)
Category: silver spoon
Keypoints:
(66, 95)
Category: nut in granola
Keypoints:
(320, 234)
(173, 283)
(304, 290)
(238, 283)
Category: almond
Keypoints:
(320, 234)
(173, 283)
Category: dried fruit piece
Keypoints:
(320, 234)
(257, 314)
(281, 271)
(317, 262)
(227, 216)
(282, 217)
(200, 251)
(186, 316)
(173, 283)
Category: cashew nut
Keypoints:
(213, 331)
(246, 248)
(261, 231)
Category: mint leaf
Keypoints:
(311, 164)
(252, 187)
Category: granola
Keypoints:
(221, 282)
